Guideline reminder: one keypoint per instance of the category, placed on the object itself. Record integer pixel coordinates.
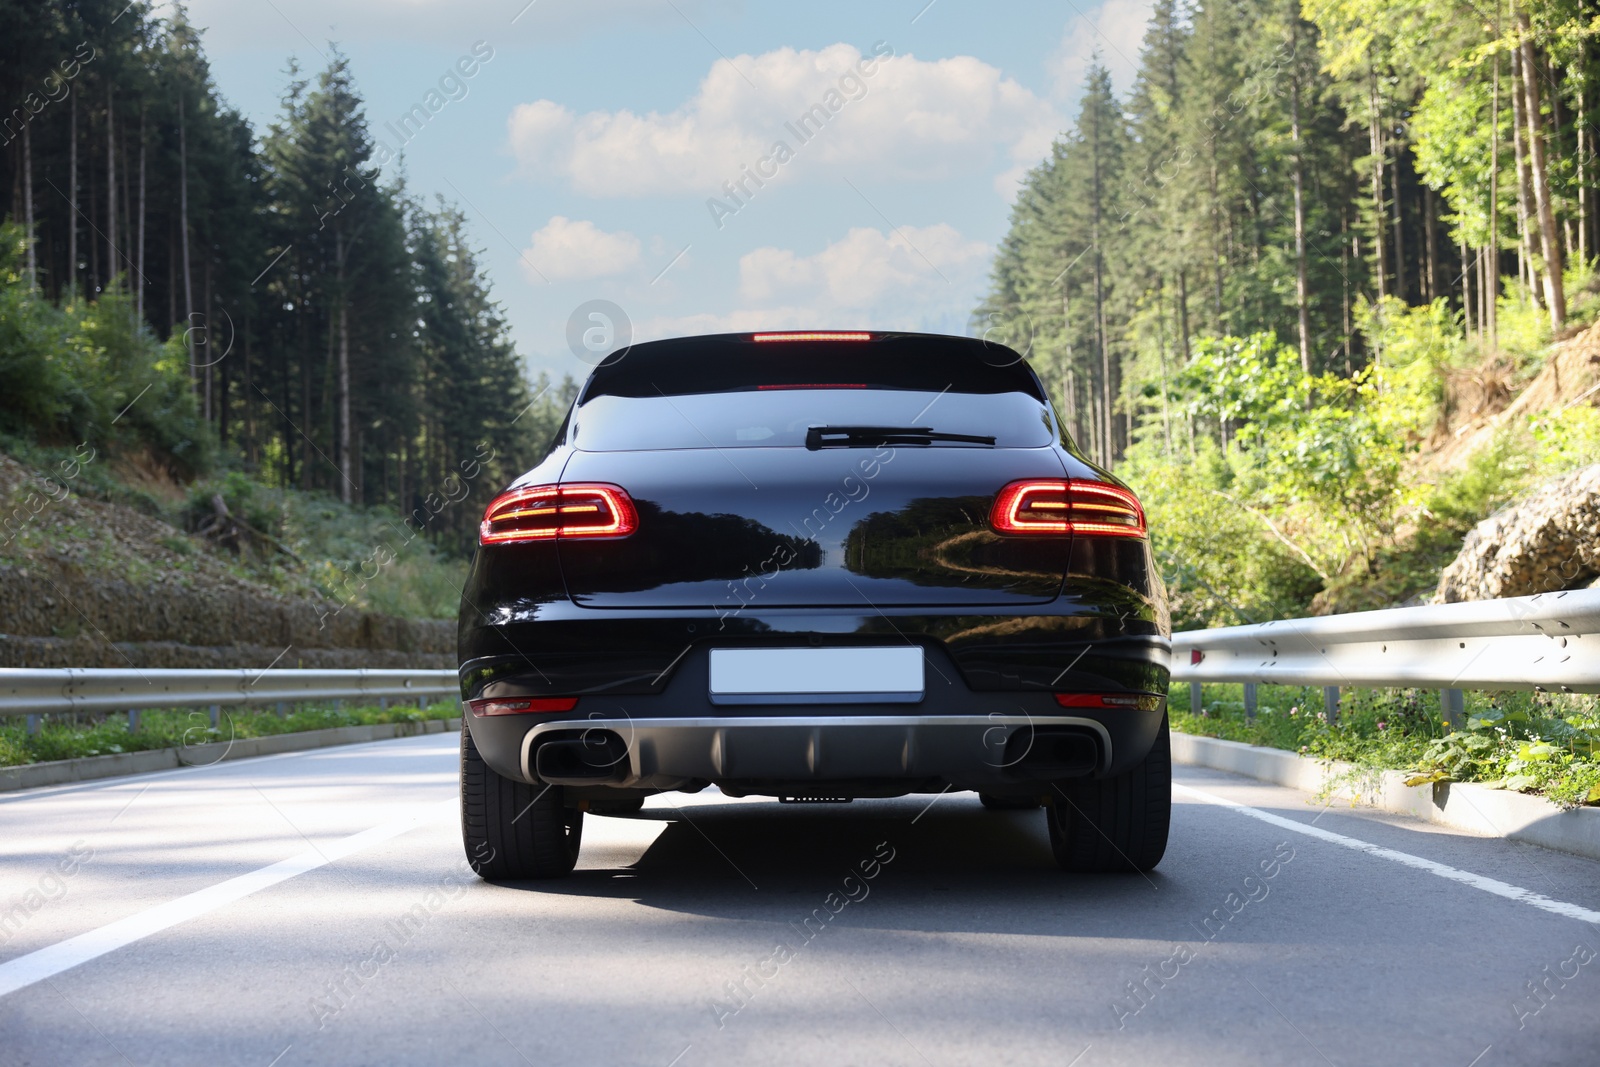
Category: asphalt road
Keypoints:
(314, 908)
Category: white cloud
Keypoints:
(301, 25)
(864, 269)
(914, 278)
(909, 119)
(570, 250)
(1115, 31)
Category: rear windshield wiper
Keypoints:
(872, 436)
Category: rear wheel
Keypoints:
(1115, 824)
(511, 829)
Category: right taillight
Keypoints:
(543, 512)
(1095, 509)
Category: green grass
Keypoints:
(1529, 742)
(60, 738)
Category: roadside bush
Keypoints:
(87, 372)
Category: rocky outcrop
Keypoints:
(1545, 542)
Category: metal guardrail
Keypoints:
(1549, 642)
(36, 691)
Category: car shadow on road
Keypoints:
(954, 866)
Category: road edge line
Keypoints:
(1458, 805)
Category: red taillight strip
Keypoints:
(1143, 701)
(506, 508)
(811, 336)
(1005, 517)
(817, 385)
(521, 705)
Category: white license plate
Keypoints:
(815, 675)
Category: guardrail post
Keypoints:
(133, 720)
(1453, 703)
(1194, 698)
(1330, 703)
(383, 703)
(281, 712)
(216, 716)
(422, 703)
(33, 724)
(1249, 702)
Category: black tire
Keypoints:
(513, 830)
(1115, 824)
(994, 803)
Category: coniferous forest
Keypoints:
(1264, 282)
(273, 298)
(1254, 277)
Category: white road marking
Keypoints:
(1443, 870)
(50, 961)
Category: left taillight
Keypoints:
(545, 512)
(1095, 509)
(521, 705)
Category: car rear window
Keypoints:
(780, 418)
(736, 363)
(733, 392)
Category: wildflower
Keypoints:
(1294, 711)
(1382, 725)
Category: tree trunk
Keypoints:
(1527, 238)
(1300, 288)
(206, 356)
(1493, 325)
(1183, 313)
(346, 457)
(1584, 149)
(1161, 352)
(1484, 271)
(1344, 273)
(172, 276)
(1375, 139)
(1466, 288)
(27, 206)
(1554, 291)
(111, 190)
(1399, 233)
(183, 234)
(139, 302)
(1430, 248)
(91, 200)
(72, 197)
(1099, 302)
(126, 208)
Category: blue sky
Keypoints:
(592, 148)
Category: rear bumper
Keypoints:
(790, 753)
(646, 719)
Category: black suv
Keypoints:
(815, 566)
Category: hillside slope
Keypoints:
(95, 583)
